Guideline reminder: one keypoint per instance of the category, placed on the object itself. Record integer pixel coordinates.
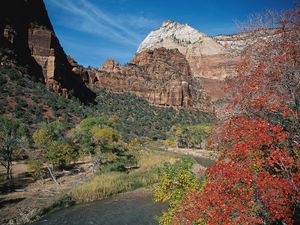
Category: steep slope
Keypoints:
(237, 42)
(27, 38)
(161, 76)
(207, 58)
(186, 39)
(29, 100)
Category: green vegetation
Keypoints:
(175, 180)
(110, 183)
(138, 118)
(121, 134)
(189, 136)
(57, 150)
(97, 131)
(13, 136)
(26, 99)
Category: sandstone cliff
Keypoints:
(207, 58)
(236, 43)
(161, 76)
(210, 60)
(25, 29)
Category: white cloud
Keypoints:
(82, 15)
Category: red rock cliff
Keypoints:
(161, 76)
(26, 29)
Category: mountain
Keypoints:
(161, 76)
(237, 42)
(208, 58)
(212, 59)
(205, 55)
(27, 38)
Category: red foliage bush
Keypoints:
(257, 178)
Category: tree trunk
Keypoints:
(52, 175)
(9, 171)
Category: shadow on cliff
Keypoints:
(17, 18)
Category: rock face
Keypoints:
(237, 42)
(207, 58)
(26, 29)
(161, 76)
(186, 39)
(110, 65)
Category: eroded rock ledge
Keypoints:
(161, 76)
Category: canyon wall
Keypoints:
(207, 57)
(161, 76)
(25, 28)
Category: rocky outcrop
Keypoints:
(161, 76)
(210, 61)
(110, 65)
(236, 43)
(186, 39)
(207, 58)
(25, 28)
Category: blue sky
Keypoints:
(93, 30)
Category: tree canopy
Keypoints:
(13, 136)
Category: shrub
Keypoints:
(37, 167)
(174, 182)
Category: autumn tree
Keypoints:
(198, 134)
(83, 133)
(268, 78)
(255, 181)
(257, 178)
(57, 151)
(189, 136)
(178, 132)
(104, 137)
(13, 136)
(174, 181)
(98, 137)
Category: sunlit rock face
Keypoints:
(186, 39)
(236, 43)
(161, 76)
(211, 59)
(207, 57)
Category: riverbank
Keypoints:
(24, 199)
(201, 153)
(27, 200)
(110, 183)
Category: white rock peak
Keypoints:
(189, 41)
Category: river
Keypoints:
(131, 208)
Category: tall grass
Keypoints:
(111, 183)
(155, 158)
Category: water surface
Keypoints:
(131, 208)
